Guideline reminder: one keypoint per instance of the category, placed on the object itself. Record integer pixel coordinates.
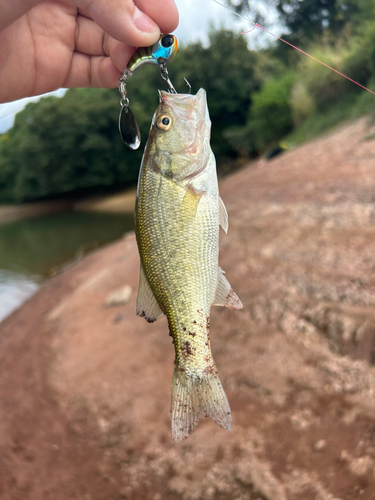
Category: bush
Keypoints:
(72, 144)
(301, 103)
(270, 113)
(64, 145)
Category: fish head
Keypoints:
(180, 135)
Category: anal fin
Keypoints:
(147, 306)
(225, 295)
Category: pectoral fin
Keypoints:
(189, 205)
(223, 215)
(147, 306)
(225, 295)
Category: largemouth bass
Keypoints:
(178, 212)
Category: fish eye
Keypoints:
(167, 41)
(164, 122)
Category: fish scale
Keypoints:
(176, 258)
(177, 228)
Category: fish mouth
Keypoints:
(191, 107)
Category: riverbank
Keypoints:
(86, 387)
(15, 289)
(37, 239)
(122, 202)
(10, 213)
(34, 248)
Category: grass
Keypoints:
(369, 137)
(321, 122)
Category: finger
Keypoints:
(163, 12)
(84, 13)
(92, 71)
(120, 55)
(91, 39)
(122, 20)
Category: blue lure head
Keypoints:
(164, 49)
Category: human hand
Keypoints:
(48, 44)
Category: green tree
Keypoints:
(227, 70)
(309, 19)
(270, 117)
(72, 144)
(63, 145)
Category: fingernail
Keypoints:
(143, 22)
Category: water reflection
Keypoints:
(15, 289)
(33, 249)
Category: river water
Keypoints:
(33, 249)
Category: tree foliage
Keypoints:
(227, 70)
(270, 113)
(62, 145)
(72, 144)
(308, 19)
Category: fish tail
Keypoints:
(196, 397)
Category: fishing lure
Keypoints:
(162, 52)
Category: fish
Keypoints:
(177, 217)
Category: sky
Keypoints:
(196, 19)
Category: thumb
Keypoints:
(122, 20)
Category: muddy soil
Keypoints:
(85, 388)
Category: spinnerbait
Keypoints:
(159, 54)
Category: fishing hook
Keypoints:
(188, 84)
(165, 76)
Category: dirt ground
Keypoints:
(85, 389)
(119, 203)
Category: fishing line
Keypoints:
(256, 25)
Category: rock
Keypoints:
(302, 420)
(357, 466)
(320, 445)
(119, 297)
(344, 456)
(118, 319)
(257, 476)
(360, 466)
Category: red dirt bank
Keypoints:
(85, 390)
